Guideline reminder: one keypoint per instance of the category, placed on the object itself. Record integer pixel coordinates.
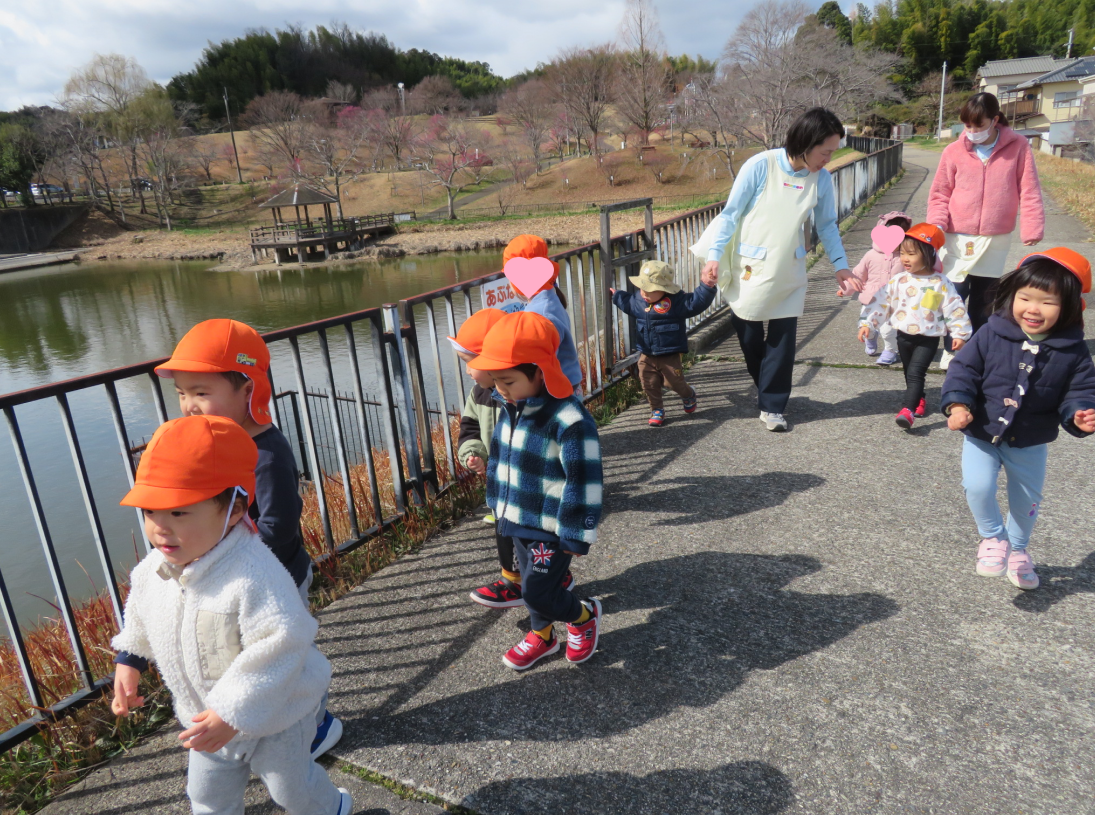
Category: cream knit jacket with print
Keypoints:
(919, 304)
(228, 633)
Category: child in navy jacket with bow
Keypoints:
(1024, 373)
(660, 309)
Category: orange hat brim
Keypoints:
(147, 496)
(261, 393)
(554, 379)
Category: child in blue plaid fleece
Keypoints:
(544, 482)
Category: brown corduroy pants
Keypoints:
(655, 372)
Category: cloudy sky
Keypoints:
(43, 41)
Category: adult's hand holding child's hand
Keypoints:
(710, 274)
(1085, 420)
(126, 680)
(848, 281)
(209, 734)
(477, 464)
(959, 418)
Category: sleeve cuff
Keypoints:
(574, 547)
(131, 661)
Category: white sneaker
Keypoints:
(945, 362)
(346, 802)
(773, 421)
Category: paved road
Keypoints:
(792, 625)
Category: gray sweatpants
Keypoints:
(216, 781)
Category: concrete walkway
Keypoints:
(793, 625)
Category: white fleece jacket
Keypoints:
(228, 633)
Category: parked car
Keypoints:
(46, 189)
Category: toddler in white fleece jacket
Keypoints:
(223, 621)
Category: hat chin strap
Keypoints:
(231, 505)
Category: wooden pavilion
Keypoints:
(306, 238)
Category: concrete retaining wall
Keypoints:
(33, 229)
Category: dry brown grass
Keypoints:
(1070, 183)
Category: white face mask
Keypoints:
(979, 136)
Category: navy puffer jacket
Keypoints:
(1018, 391)
(660, 326)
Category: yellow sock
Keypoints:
(586, 615)
(512, 577)
(546, 633)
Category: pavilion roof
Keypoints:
(298, 195)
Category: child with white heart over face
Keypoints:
(547, 299)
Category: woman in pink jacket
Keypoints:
(985, 180)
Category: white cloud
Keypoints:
(42, 43)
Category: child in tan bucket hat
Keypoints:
(660, 309)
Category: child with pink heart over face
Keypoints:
(878, 265)
(533, 278)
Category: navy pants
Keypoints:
(770, 358)
(544, 565)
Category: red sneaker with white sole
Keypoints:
(582, 639)
(499, 594)
(529, 651)
(921, 409)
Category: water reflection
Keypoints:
(61, 322)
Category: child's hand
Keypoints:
(125, 690)
(956, 345)
(960, 417)
(1085, 420)
(863, 333)
(611, 290)
(710, 275)
(477, 464)
(210, 733)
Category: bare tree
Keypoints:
(159, 148)
(202, 152)
(710, 111)
(392, 132)
(102, 93)
(279, 123)
(452, 156)
(532, 108)
(840, 77)
(434, 95)
(768, 72)
(585, 79)
(642, 82)
(341, 92)
(339, 151)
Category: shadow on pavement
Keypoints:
(699, 642)
(703, 499)
(741, 788)
(1058, 583)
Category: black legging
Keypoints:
(974, 290)
(917, 353)
(507, 559)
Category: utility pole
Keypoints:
(228, 113)
(1071, 33)
(942, 96)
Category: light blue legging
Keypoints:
(1026, 471)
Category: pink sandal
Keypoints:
(992, 557)
(1021, 571)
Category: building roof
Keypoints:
(1023, 65)
(1073, 69)
(298, 195)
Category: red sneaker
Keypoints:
(529, 651)
(499, 594)
(904, 418)
(921, 409)
(582, 639)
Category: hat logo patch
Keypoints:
(243, 359)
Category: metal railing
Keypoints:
(382, 386)
(291, 233)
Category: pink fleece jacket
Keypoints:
(975, 198)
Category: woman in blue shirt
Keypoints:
(757, 244)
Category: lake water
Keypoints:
(66, 321)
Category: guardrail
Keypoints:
(381, 387)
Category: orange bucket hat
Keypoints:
(469, 339)
(1070, 259)
(525, 337)
(530, 246)
(929, 234)
(219, 346)
(193, 459)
